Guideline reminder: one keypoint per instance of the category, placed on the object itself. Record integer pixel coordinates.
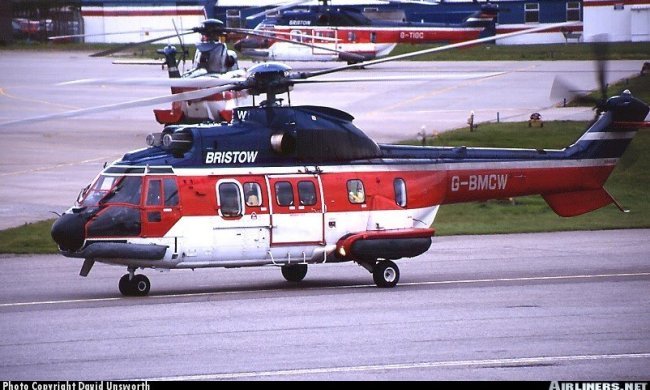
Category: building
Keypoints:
(622, 20)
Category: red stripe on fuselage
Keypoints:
(385, 35)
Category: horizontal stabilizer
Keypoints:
(570, 204)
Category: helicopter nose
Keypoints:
(68, 231)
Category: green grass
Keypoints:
(545, 52)
(33, 238)
(485, 52)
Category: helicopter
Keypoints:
(290, 186)
(355, 33)
(192, 99)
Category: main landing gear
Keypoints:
(132, 285)
(385, 273)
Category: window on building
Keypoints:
(230, 200)
(356, 193)
(306, 193)
(531, 12)
(399, 185)
(284, 193)
(572, 11)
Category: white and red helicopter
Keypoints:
(346, 34)
(290, 186)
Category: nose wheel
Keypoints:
(134, 285)
(294, 272)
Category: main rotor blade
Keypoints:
(195, 82)
(402, 78)
(136, 44)
(109, 33)
(436, 49)
(192, 95)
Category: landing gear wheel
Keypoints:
(385, 274)
(138, 286)
(294, 272)
(125, 285)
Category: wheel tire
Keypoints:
(140, 285)
(385, 274)
(125, 285)
(294, 272)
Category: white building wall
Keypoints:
(616, 21)
(640, 26)
(135, 24)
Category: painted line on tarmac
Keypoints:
(524, 361)
(431, 283)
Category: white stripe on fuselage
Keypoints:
(396, 165)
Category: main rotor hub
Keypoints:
(270, 78)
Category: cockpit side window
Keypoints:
(99, 189)
(154, 193)
(171, 192)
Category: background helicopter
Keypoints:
(277, 186)
(213, 63)
(354, 32)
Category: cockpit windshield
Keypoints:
(113, 189)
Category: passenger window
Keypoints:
(253, 194)
(306, 193)
(171, 192)
(356, 193)
(230, 200)
(399, 185)
(153, 193)
(284, 193)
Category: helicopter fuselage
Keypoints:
(299, 185)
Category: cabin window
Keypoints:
(531, 12)
(284, 193)
(253, 194)
(154, 193)
(356, 193)
(352, 37)
(306, 193)
(171, 192)
(399, 185)
(373, 37)
(573, 11)
(230, 200)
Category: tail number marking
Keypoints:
(491, 182)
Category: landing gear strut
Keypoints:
(294, 272)
(132, 285)
(385, 274)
